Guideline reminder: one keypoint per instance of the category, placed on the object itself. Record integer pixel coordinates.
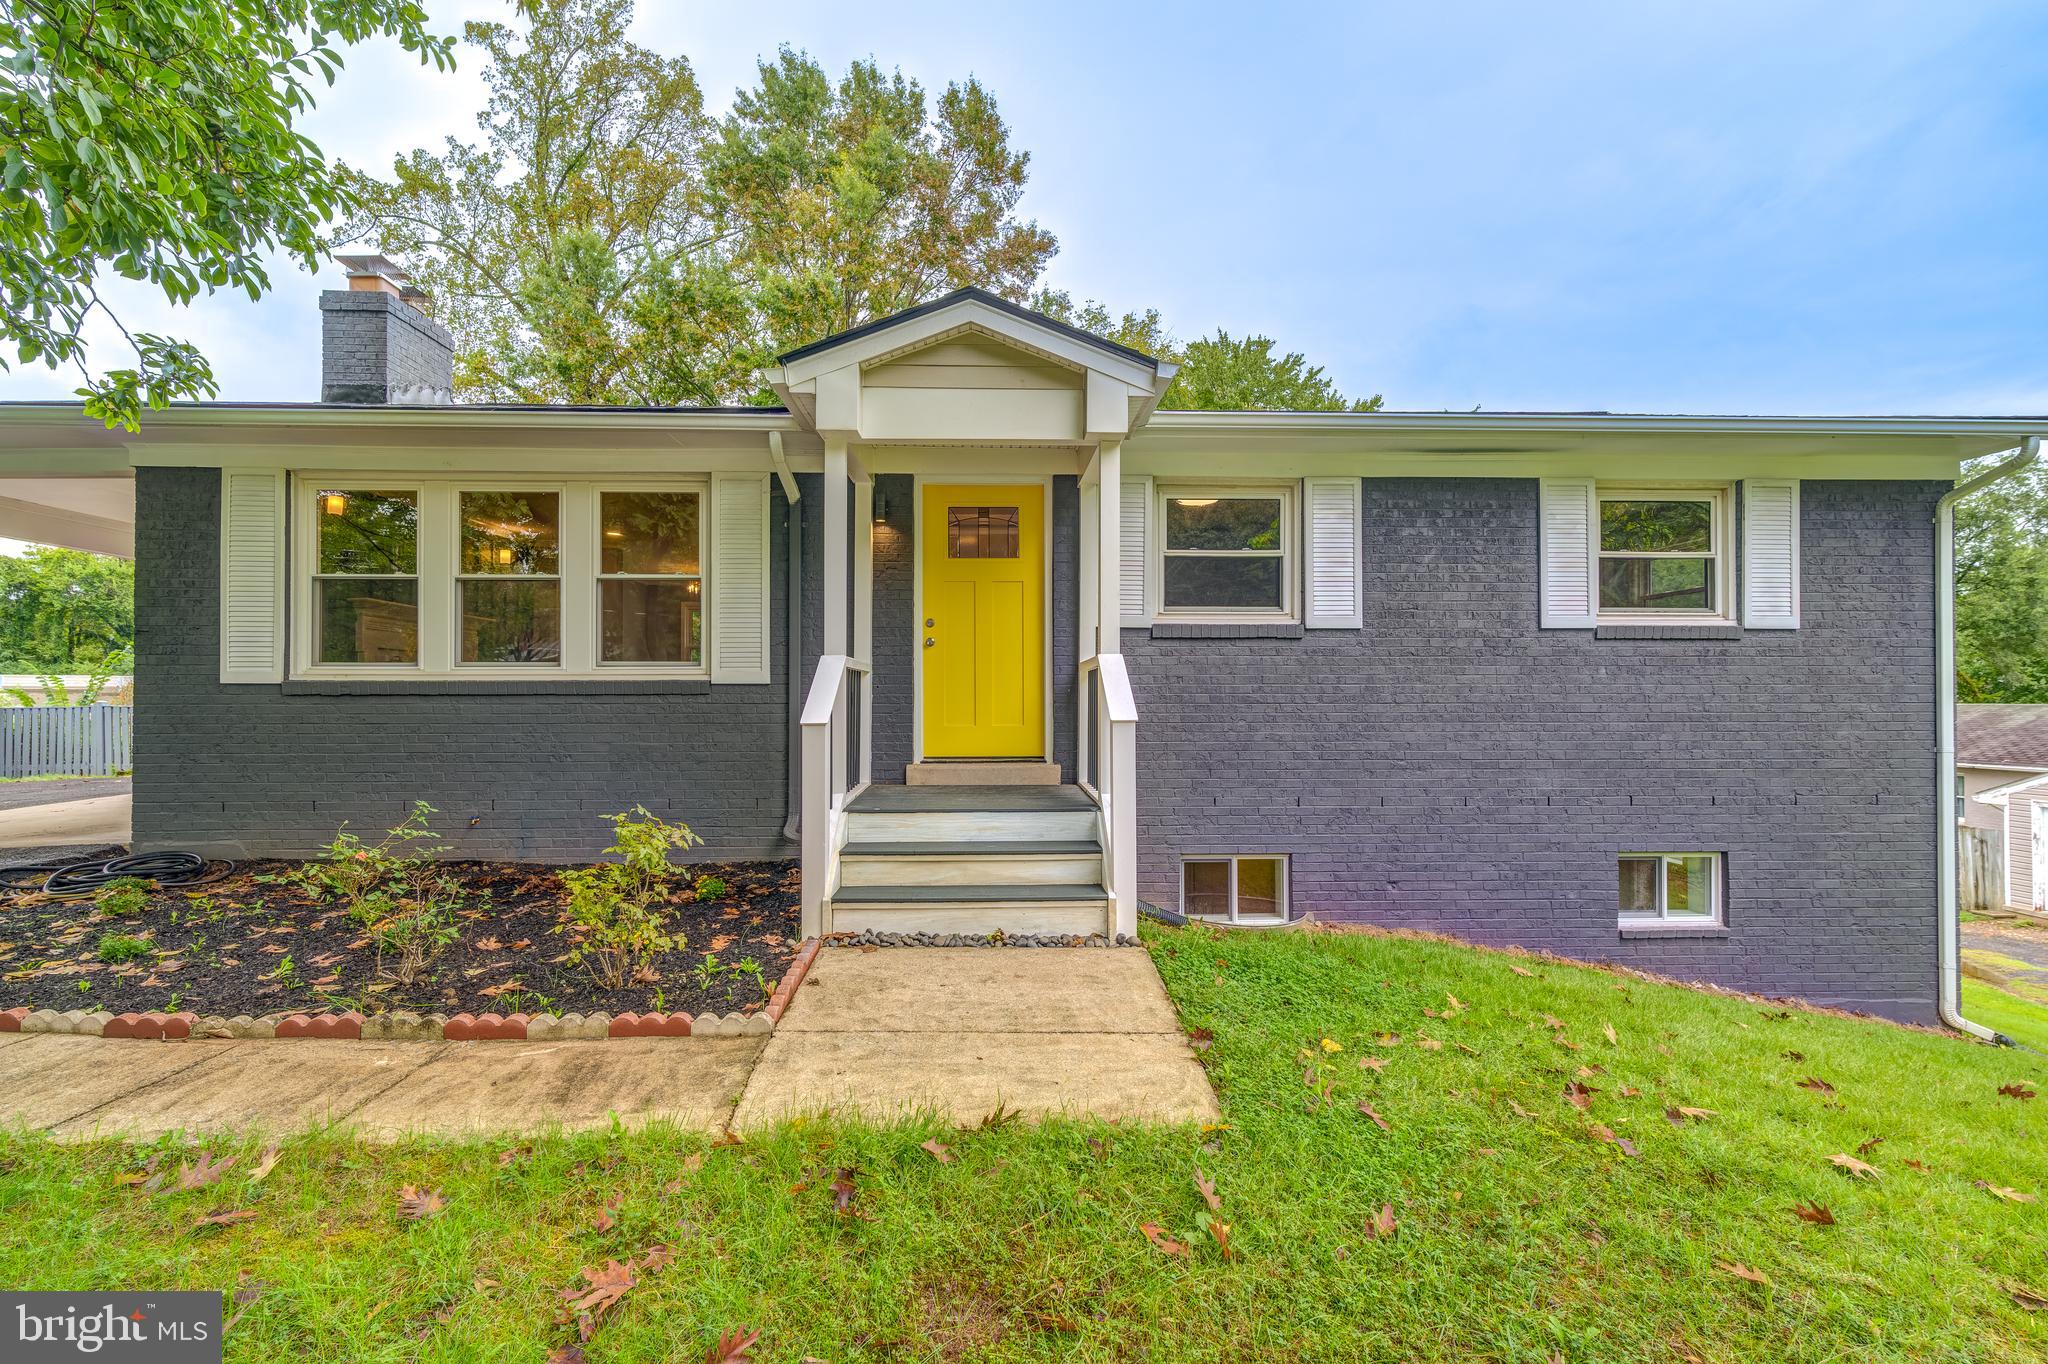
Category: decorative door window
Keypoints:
(981, 532)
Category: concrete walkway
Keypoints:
(67, 823)
(957, 1030)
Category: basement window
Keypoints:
(1670, 888)
(1237, 889)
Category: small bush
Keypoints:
(122, 896)
(614, 909)
(115, 948)
(710, 887)
(371, 878)
(417, 928)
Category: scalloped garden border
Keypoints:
(412, 1027)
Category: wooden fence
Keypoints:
(66, 741)
(1980, 869)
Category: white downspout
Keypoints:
(1950, 952)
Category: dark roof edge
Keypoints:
(976, 295)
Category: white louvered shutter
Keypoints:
(1335, 599)
(1567, 548)
(1134, 520)
(739, 578)
(252, 575)
(1770, 554)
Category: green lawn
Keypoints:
(1520, 1235)
(2018, 1017)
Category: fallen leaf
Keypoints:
(1555, 1024)
(416, 1204)
(1519, 971)
(604, 1221)
(1201, 1039)
(1469, 1051)
(1429, 1044)
(265, 1163)
(1817, 1085)
(1382, 1225)
(1612, 1040)
(1815, 1213)
(2016, 1091)
(1372, 1063)
(1454, 1001)
(1742, 1271)
(1629, 1092)
(1520, 1111)
(2009, 1195)
(844, 1191)
(1580, 1096)
(601, 1291)
(568, 1354)
(1867, 1147)
(1853, 1165)
(1916, 1165)
(1219, 1231)
(222, 1219)
(506, 1159)
(942, 1153)
(2026, 1299)
(1678, 1114)
(206, 1171)
(1331, 1044)
(1370, 1112)
(1208, 1188)
(733, 1347)
(1387, 1039)
(1156, 1234)
(1607, 1134)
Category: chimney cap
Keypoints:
(373, 267)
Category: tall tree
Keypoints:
(608, 242)
(2002, 591)
(1226, 373)
(853, 200)
(63, 610)
(157, 139)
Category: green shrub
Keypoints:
(417, 928)
(371, 878)
(119, 947)
(122, 896)
(710, 887)
(614, 910)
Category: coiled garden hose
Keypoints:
(83, 880)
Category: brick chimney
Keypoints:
(377, 344)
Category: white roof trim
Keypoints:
(1051, 342)
(1998, 795)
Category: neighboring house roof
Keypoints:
(1999, 795)
(2002, 736)
(969, 294)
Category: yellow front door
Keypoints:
(983, 630)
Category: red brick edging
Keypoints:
(352, 1026)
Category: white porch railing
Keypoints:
(1106, 760)
(837, 720)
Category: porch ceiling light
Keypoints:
(334, 504)
(1196, 501)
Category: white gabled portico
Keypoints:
(983, 403)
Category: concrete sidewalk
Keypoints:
(91, 821)
(954, 1030)
(960, 1030)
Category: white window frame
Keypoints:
(560, 577)
(306, 584)
(438, 556)
(1289, 553)
(1663, 917)
(1232, 859)
(1720, 496)
(702, 577)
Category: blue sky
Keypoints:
(1648, 206)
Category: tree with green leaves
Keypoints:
(156, 140)
(2002, 591)
(64, 610)
(608, 242)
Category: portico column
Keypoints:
(1109, 547)
(836, 566)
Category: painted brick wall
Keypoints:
(275, 770)
(1453, 767)
(378, 349)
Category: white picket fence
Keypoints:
(66, 741)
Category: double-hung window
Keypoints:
(501, 577)
(1226, 552)
(1670, 888)
(1664, 552)
(365, 603)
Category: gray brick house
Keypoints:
(987, 640)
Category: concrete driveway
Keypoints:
(66, 813)
(958, 1031)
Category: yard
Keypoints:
(1428, 1152)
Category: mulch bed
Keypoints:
(223, 949)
